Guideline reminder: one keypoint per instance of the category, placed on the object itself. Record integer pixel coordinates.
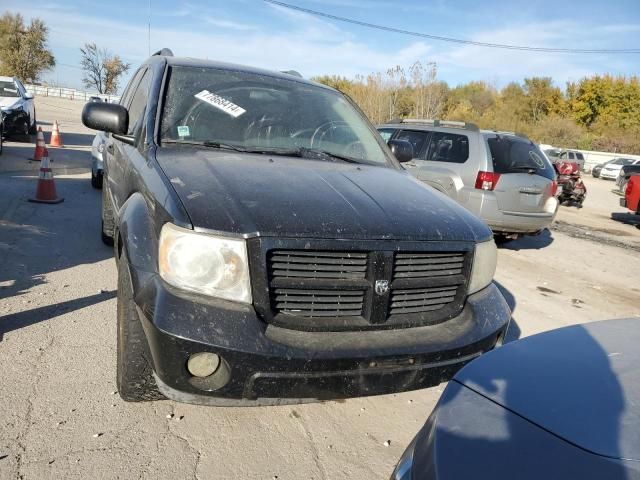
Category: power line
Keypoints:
(449, 39)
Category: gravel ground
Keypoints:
(63, 419)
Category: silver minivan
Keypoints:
(502, 177)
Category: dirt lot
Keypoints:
(63, 419)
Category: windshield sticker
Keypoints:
(223, 104)
(183, 131)
(536, 158)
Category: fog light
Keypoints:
(203, 364)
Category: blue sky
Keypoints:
(256, 33)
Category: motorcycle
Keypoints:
(571, 188)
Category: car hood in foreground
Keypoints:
(283, 196)
(10, 102)
(580, 383)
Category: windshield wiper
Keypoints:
(222, 146)
(525, 168)
(302, 152)
(318, 153)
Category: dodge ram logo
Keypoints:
(382, 287)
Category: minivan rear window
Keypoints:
(518, 155)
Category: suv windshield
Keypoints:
(622, 161)
(8, 89)
(255, 112)
(518, 155)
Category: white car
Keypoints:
(18, 107)
(611, 170)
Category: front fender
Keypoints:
(138, 240)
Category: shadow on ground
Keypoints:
(627, 218)
(17, 157)
(529, 242)
(38, 239)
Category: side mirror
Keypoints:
(28, 95)
(401, 149)
(108, 117)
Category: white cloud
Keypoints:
(316, 46)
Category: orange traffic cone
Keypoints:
(41, 147)
(56, 138)
(46, 190)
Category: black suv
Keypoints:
(271, 249)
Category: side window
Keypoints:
(563, 155)
(139, 103)
(448, 147)
(579, 156)
(415, 138)
(126, 96)
(571, 156)
(386, 133)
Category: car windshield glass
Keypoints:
(518, 155)
(257, 112)
(8, 89)
(622, 161)
(552, 152)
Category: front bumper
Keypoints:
(265, 364)
(608, 175)
(485, 206)
(14, 122)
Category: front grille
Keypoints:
(308, 264)
(427, 265)
(418, 300)
(367, 288)
(318, 303)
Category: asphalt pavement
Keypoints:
(62, 416)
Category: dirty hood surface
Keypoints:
(286, 196)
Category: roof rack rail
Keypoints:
(443, 123)
(165, 52)
(516, 134)
(292, 72)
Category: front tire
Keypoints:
(33, 129)
(96, 180)
(108, 224)
(134, 377)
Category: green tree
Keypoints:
(23, 49)
(542, 98)
(102, 69)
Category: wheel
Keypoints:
(107, 219)
(33, 128)
(134, 377)
(96, 180)
(501, 239)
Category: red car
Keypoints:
(631, 198)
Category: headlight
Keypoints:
(100, 147)
(403, 469)
(202, 263)
(484, 266)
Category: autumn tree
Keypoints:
(102, 69)
(542, 97)
(23, 49)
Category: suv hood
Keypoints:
(10, 102)
(581, 383)
(294, 197)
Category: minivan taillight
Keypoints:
(627, 191)
(554, 188)
(487, 180)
